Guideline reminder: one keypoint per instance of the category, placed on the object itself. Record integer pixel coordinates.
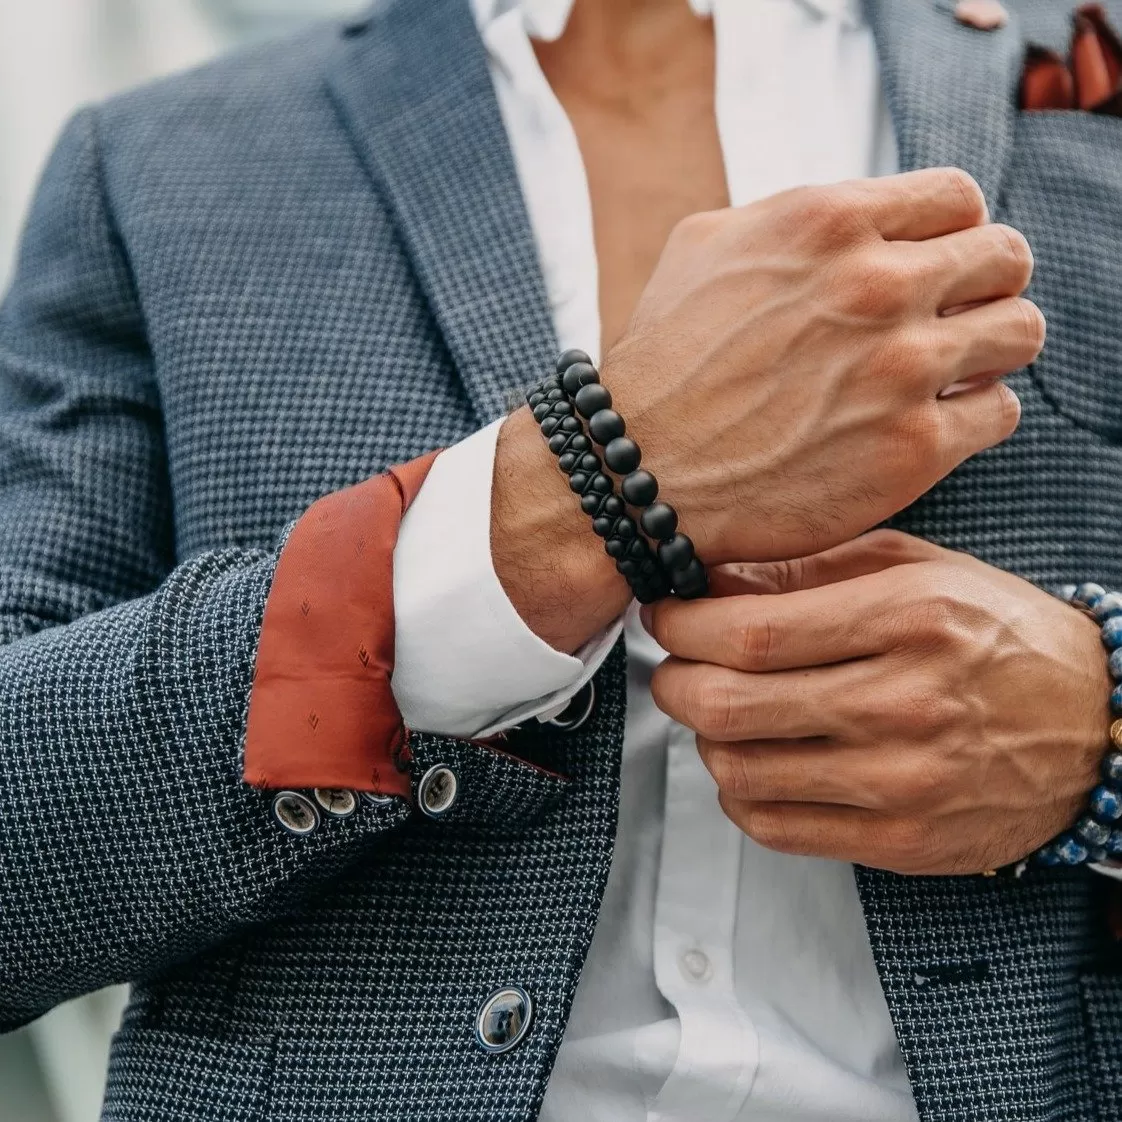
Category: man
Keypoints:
(250, 288)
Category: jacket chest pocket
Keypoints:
(1064, 192)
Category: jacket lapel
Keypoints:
(951, 89)
(412, 85)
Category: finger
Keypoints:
(869, 553)
(978, 418)
(810, 627)
(909, 845)
(990, 340)
(973, 266)
(898, 779)
(918, 205)
(725, 705)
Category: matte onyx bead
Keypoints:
(591, 399)
(613, 547)
(637, 549)
(606, 426)
(579, 374)
(592, 504)
(628, 567)
(626, 529)
(570, 424)
(600, 484)
(603, 525)
(614, 506)
(690, 582)
(622, 455)
(659, 520)
(590, 462)
(676, 553)
(561, 409)
(567, 358)
(535, 399)
(640, 488)
(579, 442)
(567, 461)
(559, 442)
(550, 424)
(649, 567)
(542, 410)
(577, 481)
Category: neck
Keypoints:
(631, 36)
(628, 52)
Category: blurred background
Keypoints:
(56, 55)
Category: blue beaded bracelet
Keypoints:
(1097, 836)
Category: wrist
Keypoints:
(551, 565)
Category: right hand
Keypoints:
(783, 372)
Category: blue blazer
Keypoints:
(255, 283)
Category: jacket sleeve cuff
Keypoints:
(321, 710)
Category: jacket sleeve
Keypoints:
(128, 839)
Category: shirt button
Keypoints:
(295, 812)
(577, 711)
(695, 965)
(504, 1019)
(437, 791)
(337, 802)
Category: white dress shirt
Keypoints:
(725, 982)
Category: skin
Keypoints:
(889, 702)
(796, 371)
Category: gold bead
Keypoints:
(1116, 733)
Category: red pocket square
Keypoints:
(1090, 78)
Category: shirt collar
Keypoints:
(546, 19)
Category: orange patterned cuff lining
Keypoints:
(321, 710)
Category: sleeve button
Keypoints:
(336, 801)
(295, 812)
(437, 791)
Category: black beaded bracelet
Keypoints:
(677, 568)
(570, 443)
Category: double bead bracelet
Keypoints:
(561, 405)
(1097, 835)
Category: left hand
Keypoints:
(890, 703)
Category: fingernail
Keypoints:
(646, 615)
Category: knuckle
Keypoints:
(1018, 249)
(769, 827)
(964, 187)
(830, 215)
(1007, 411)
(926, 707)
(1032, 325)
(710, 708)
(910, 844)
(725, 768)
(918, 783)
(753, 641)
(918, 442)
(876, 287)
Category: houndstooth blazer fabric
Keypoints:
(253, 284)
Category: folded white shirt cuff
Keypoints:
(466, 664)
